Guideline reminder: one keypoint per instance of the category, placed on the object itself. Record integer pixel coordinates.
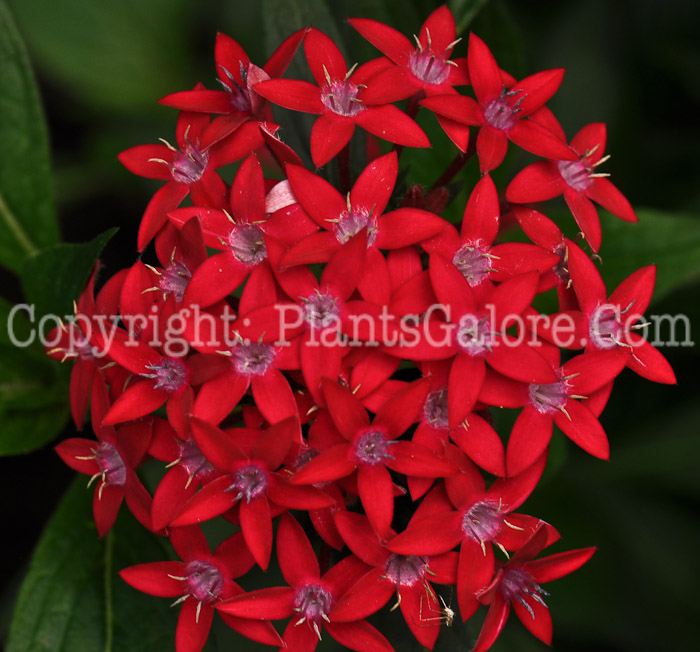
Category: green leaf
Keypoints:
(671, 241)
(72, 598)
(114, 55)
(27, 215)
(465, 11)
(33, 391)
(55, 277)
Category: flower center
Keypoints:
(189, 164)
(549, 398)
(561, 269)
(170, 375)
(605, 328)
(192, 460)
(111, 465)
(204, 581)
(174, 278)
(321, 311)
(435, 409)
(517, 583)
(250, 482)
(341, 98)
(429, 67)
(474, 261)
(500, 114)
(372, 448)
(406, 571)
(351, 222)
(237, 95)
(575, 174)
(474, 335)
(312, 602)
(253, 359)
(247, 244)
(482, 522)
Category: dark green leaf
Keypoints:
(54, 278)
(72, 598)
(27, 216)
(671, 241)
(465, 11)
(33, 393)
(116, 55)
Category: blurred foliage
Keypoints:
(633, 64)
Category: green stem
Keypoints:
(109, 610)
(16, 228)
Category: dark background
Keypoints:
(633, 64)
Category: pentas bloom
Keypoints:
(501, 109)
(339, 102)
(408, 578)
(423, 68)
(609, 323)
(373, 448)
(517, 584)
(317, 366)
(250, 481)
(341, 218)
(200, 582)
(310, 597)
(189, 169)
(482, 517)
(579, 180)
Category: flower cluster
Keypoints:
(342, 351)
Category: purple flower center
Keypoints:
(406, 571)
(518, 583)
(351, 222)
(474, 261)
(313, 603)
(174, 278)
(111, 465)
(321, 311)
(435, 409)
(605, 327)
(192, 460)
(372, 448)
(550, 397)
(561, 269)
(253, 359)
(170, 375)
(474, 335)
(341, 98)
(249, 482)
(575, 174)
(247, 244)
(500, 114)
(482, 522)
(204, 581)
(429, 67)
(189, 164)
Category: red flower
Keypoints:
(338, 100)
(408, 577)
(204, 147)
(561, 402)
(310, 597)
(609, 323)
(483, 516)
(200, 582)
(341, 218)
(425, 68)
(578, 179)
(502, 112)
(372, 449)
(517, 583)
(250, 480)
(113, 459)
